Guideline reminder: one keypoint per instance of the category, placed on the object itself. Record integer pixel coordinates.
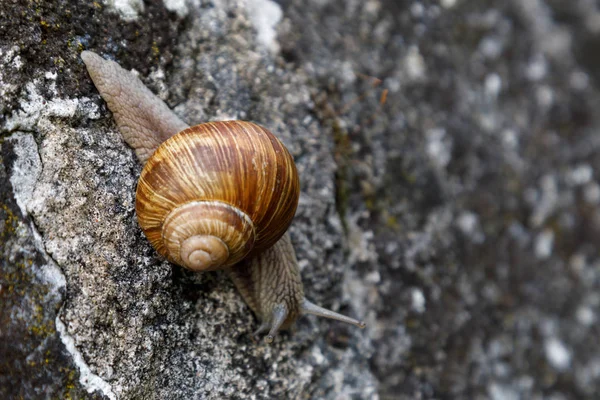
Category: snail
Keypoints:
(219, 195)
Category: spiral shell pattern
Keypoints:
(216, 192)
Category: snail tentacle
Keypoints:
(310, 308)
(280, 314)
(264, 327)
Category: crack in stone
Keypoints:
(52, 273)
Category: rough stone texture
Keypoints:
(460, 218)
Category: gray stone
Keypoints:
(459, 219)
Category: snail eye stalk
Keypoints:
(310, 308)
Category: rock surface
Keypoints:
(460, 218)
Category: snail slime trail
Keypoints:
(189, 217)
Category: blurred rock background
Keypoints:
(460, 218)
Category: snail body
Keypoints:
(219, 195)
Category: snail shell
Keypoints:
(215, 192)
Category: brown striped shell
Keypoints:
(214, 192)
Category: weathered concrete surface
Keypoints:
(460, 218)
